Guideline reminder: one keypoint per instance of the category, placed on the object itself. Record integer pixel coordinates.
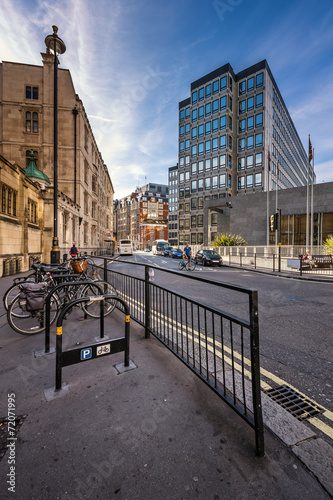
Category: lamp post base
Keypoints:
(55, 252)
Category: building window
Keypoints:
(215, 162)
(242, 107)
(215, 125)
(215, 106)
(94, 184)
(181, 146)
(187, 128)
(258, 179)
(213, 219)
(223, 102)
(249, 142)
(249, 180)
(223, 83)
(194, 150)
(250, 83)
(258, 159)
(208, 128)
(207, 146)
(215, 86)
(214, 182)
(259, 120)
(200, 220)
(200, 202)
(249, 161)
(200, 166)
(194, 186)
(181, 131)
(187, 113)
(215, 144)
(208, 90)
(187, 144)
(32, 211)
(259, 100)
(3, 199)
(250, 103)
(223, 161)
(193, 204)
(200, 238)
(241, 127)
(241, 145)
(201, 112)
(31, 122)
(208, 108)
(194, 168)
(194, 132)
(259, 80)
(194, 115)
(200, 185)
(207, 164)
(223, 122)
(242, 87)
(201, 94)
(250, 122)
(200, 148)
(241, 182)
(258, 140)
(181, 115)
(181, 162)
(223, 143)
(31, 92)
(222, 180)
(194, 97)
(241, 163)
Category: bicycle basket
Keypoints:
(79, 266)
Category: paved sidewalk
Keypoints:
(154, 432)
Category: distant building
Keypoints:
(142, 216)
(228, 128)
(85, 190)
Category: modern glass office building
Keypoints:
(236, 137)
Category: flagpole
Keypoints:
(268, 171)
(312, 205)
(307, 201)
(276, 200)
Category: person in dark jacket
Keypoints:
(74, 251)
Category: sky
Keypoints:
(133, 61)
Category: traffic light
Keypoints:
(274, 222)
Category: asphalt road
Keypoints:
(295, 322)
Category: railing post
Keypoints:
(273, 262)
(255, 261)
(105, 270)
(279, 268)
(147, 303)
(255, 372)
(300, 266)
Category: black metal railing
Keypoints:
(216, 337)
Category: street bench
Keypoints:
(317, 261)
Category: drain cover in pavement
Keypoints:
(8, 432)
(293, 402)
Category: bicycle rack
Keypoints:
(92, 351)
(48, 301)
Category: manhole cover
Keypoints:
(8, 431)
(293, 402)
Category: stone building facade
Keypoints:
(85, 190)
(142, 216)
(21, 218)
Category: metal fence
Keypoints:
(219, 346)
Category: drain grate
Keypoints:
(4, 435)
(293, 402)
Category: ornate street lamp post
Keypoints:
(56, 46)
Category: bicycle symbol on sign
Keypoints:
(103, 349)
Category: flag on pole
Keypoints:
(310, 150)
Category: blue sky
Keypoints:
(132, 61)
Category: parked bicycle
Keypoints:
(28, 319)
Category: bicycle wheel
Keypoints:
(181, 265)
(13, 291)
(29, 322)
(94, 289)
(191, 265)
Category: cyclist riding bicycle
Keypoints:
(187, 252)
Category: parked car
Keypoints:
(176, 253)
(208, 257)
(167, 250)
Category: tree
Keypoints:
(229, 240)
(328, 243)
